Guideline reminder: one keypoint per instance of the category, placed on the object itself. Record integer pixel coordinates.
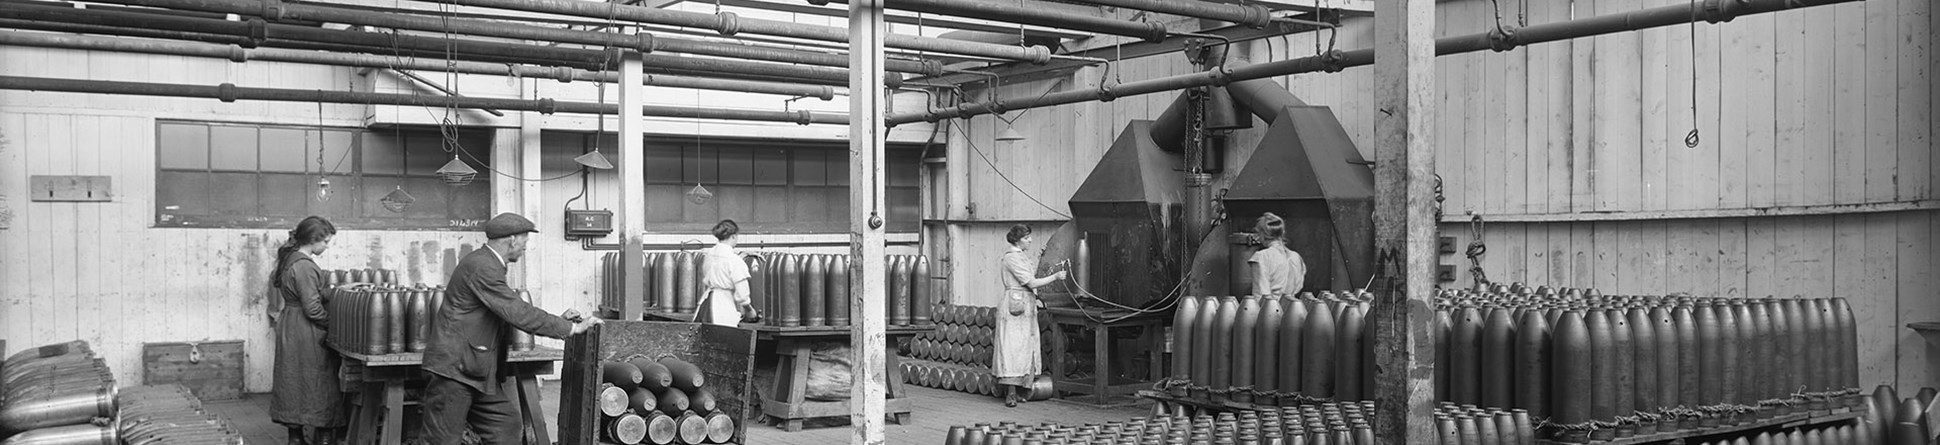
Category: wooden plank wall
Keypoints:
(1881, 263)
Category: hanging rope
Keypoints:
(1691, 139)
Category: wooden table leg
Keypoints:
(895, 376)
(365, 424)
(1058, 340)
(535, 415)
(1100, 363)
(393, 413)
(793, 389)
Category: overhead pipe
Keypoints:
(257, 32)
(1019, 12)
(277, 11)
(728, 24)
(1250, 15)
(1261, 97)
(230, 93)
(1711, 11)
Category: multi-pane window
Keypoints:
(767, 187)
(266, 176)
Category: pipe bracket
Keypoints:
(273, 10)
(1503, 38)
(258, 32)
(238, 54)
(1220, 76)
(1332, 61)
(1105, 93)
(997, 107)
(728, 24)
(226, 92)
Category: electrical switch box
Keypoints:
(588, 223)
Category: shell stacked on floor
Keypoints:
(170, 414)
(1329, 423)
(956, 356)
(53, 392)
(1273, 349)
(788, 289)
(1468, 425)
(1605, 367)
(1896, 421)
(663, 401)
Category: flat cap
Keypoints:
(508, 224)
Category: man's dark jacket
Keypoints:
(468, 334)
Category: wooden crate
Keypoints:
(725, 356)
(213, 370)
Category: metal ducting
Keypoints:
(1308, 171)
(239, 54)
(1335, 61)
(1023, 12)
(727, 23)
(259, 33)
(276, 12)
(230, 92)
(1130, 212)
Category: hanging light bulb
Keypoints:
(397, 200)
(456, 173)
(323, 189)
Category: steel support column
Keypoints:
(633, 186)
(867, 225)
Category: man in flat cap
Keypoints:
(467, 347)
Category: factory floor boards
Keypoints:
(935, 412)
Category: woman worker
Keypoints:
(1017, 360)
(1277, 270)
(304, 393)
(726, 277)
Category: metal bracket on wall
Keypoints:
(49, 188)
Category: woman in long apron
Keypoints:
(305, 391)
(1017, 359)
(726, 277)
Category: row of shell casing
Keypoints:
(969, 379)
(53, 392)
(1610, 367)
(964, 335)
(170, 414)
(789, 289)
(1896, 421)
(1825, 435)
(335, 277)
(1469, 425)
(378, 320)
(1273, 349)
(1334, 424)
(663, 401)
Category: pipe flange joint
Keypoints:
(1220, 76)
(548, 106)
(258, 32)
(273, 10)
(644, 43)
(1256, 16)
(804, 117)
(728, 24)
(1503, 38)
(997, 107)
(1155, 32)
(930, 67)
(1333, 60)
(564, 74)
(238, 54)
(1719, 11)
(1105, 93)
(827, 93)
(1038, 54)
(226, 92)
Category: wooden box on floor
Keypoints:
(725, 356)
(213, 370)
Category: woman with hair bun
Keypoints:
(1277, 270)
(305, 393)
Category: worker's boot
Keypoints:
(296, 435)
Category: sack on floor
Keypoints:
(829, 372)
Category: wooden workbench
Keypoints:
(385, 378)
(1151, 343)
